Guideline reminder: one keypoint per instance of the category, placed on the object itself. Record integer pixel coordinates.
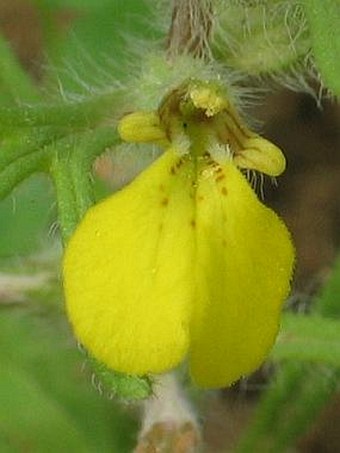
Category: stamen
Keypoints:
(197, 118)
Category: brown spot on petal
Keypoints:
(179, 163)
(224, 191)
(193, 223)
(165, 201)
(220, 177)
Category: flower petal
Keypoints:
(261, 155)
(244, 264)
(142, 127)
(128, 271)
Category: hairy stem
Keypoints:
(68, 216)
(20, 169)
(190, 28)
(81, 114)
(71, 172)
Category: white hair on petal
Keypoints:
(220, 153)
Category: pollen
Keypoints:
(208, 100)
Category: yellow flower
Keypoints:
(185, 261)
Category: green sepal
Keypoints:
(260, 37)
(122, 386)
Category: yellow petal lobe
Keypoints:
(127, 272)
(141, 127)
(244, 261)
(261, 155)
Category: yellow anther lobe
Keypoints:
(208, 100)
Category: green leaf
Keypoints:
(308, 338)
(15, 83)
(324, 19)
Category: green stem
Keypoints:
(81, 114)
(89, 147)
(83, 186)
(20, 169)
(71, 173)
(21, 145)
(68, 216)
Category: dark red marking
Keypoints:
(220, 177)
(193, 223)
